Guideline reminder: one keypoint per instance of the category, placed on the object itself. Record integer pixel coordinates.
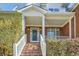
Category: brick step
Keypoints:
(31, 54)
(31, 49)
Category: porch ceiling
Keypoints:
(58, 18)
(55, 22)
(51, 19)
(37, 21)
(32, 20)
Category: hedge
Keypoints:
(10, 30)
(62, 47)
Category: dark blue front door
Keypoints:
(34, 35)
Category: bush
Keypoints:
(10, 30)
(62, 47)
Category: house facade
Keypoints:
(55, 24)
(40, 24)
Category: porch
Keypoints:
(34, 33)
(38, 25)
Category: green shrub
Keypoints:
(10, 30)
(62, 47)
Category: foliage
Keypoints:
(10, 29)
(62, 47)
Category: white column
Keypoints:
(74, 26)
(70, 29)
(30, 35)
(23, 24)
(55, 34)
(43, 34)
(43, 27)
(38, 34)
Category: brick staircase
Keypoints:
(31, 49)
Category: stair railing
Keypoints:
(18, 47)
(43, 45)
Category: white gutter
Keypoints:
(15, 8)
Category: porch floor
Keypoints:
(31, 49)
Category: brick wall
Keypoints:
(72, 22)
(64, 31)
(28, 33)
(77, 21)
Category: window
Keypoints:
(50, 9)
(52, 32)
(54, 9)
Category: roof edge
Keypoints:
(73, 9)
(44, 11)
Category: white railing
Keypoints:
(17, 47)
(62, 37)
(57, 37)
(43, 45)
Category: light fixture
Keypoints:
(28, 29)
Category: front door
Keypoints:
(34, 35)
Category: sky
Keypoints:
(9, 6)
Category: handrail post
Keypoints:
(14, 49)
